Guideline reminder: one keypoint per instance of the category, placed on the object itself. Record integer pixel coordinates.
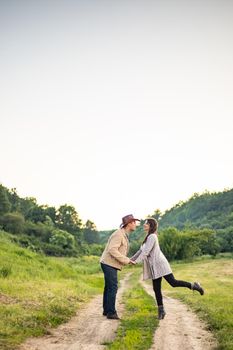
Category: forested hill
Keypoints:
(207, 210)
(204, 224)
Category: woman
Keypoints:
(156, 266)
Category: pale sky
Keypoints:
(116, 107)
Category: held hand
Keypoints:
(132, 262)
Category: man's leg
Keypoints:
(105, 293)
(110, 289)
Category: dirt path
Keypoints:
(180, 329)
(88, 330)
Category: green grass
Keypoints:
(216, 306)
(138, 325)
(38, 292)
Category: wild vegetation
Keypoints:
(216, 306)
(45, 229)
(38, 292)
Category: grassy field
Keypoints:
(37, 292)
(216, 306)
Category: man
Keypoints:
(112, 260)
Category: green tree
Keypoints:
(90, 233)
(37, 214)
(51, 212)
(14, 200)
(189, 244)
(26, 206)
(5, 205)
(209, 243)
(170, 242)
(68, 219)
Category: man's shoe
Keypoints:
(104, 313)
(198, 287)
(113, 316)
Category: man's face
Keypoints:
(132, 225)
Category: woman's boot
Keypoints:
(161, 312)
(198, 287)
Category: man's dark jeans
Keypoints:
(110, 289)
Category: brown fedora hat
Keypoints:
(127, 219)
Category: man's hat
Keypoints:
(127, 219)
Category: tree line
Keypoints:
(44, 228)
(201, 225)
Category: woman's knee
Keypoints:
(171, 280)
(173, 283)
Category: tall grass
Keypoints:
(37, 292)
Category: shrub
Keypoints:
(62, 239)
(5, 271)
(13, 222)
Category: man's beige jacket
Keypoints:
(116, 250)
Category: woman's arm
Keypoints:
(146, 249)
(134, 257)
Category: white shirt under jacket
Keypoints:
(155, 264)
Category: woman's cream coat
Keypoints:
(155, 264)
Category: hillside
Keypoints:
(204, 223)
(42, 228)
(37, 292)
(212, 210)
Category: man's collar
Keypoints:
(126, 234)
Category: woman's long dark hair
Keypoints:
(153, 227)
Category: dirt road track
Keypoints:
(180, 329)
(88, 330)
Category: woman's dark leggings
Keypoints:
(172, 281)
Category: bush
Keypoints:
(55, 250)
(13, 222)
(5, 271)
(40, 230)
(96, 249)
(62, 239)
(169, 239)
(188, 243)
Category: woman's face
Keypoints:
(146, 226)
